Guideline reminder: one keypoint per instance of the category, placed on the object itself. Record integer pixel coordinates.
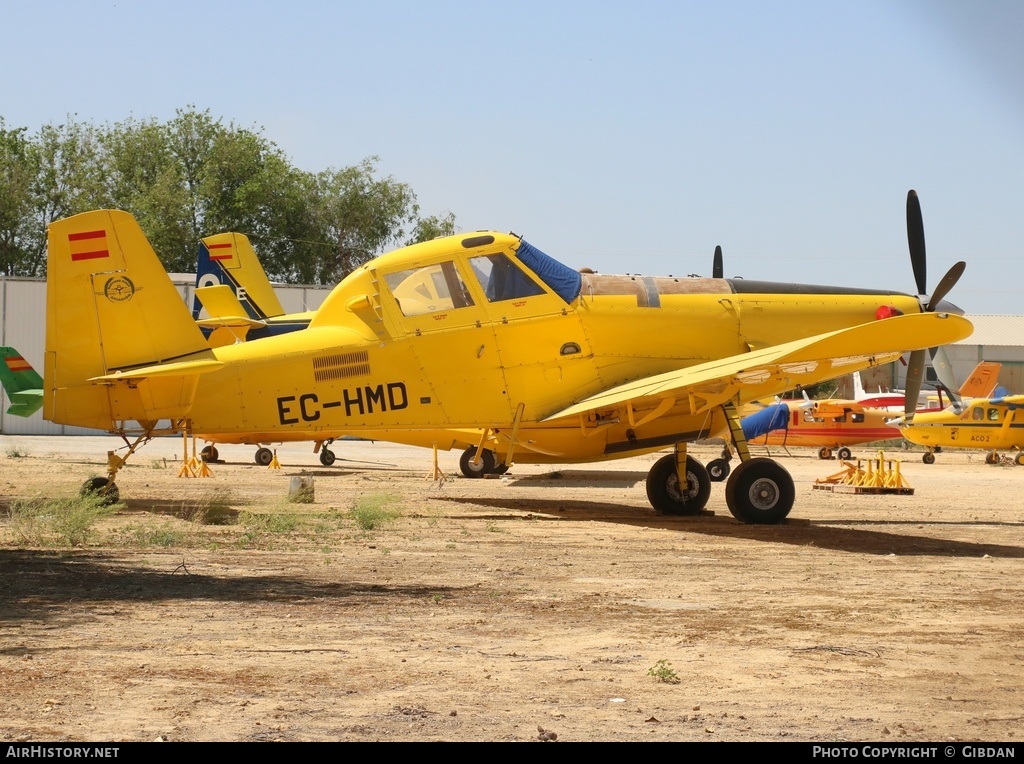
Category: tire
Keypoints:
(718, 470)
(992, 458)
(484, 467)
(760, 492)
(825, 453)
(1019, 459)
(264, 456)
(101, 486)
(209, 454)
(663, 490)
(327, 457)
(844, 454)
(928, 458)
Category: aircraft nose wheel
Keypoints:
(760, 491)
(327, 457)
(668, 497)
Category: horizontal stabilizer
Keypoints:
(179, 369)
(224, 308)
(26, 402)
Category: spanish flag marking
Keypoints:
(221, 255)
(88, 245)
(17, 363)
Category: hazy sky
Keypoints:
(624, 136)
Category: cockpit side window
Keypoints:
(502, 279)
(429, 289)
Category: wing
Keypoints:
(773, 370)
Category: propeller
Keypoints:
(717, 268)
(918, 261)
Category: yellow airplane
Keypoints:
(470, 333)
(992, 424)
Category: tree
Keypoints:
(194, 176)
(17, 171)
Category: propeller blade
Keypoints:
(943, 368)
(915, 238)
(915, 373)
(948, 282)
(717, 267)
(944, 372)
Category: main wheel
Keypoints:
(668, 497)
(718, 470)
(101, 486)
(209, 454)
(1019, 459)
(844, 453)
(991, 458)
(825, 453)
(327, 457)
(483, 467)
(264, 456)
(760, 491)
(928, 457)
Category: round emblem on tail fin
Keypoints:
(119, 289)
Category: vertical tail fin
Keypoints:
(982, 381)
(228, 258)
(22, 383)
(110, 307)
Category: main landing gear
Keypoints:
(758, 491)
(486, 464)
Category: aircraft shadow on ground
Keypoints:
(579, 478)
(820, 535)
(39, 585)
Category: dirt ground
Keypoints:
(549, 603)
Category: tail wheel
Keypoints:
(760, 491)
(264, 456)
(484, 466)
(209, 454)
(844, 453)
(327, 457)
(101, 486)
(718, 470)
(668, 497)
